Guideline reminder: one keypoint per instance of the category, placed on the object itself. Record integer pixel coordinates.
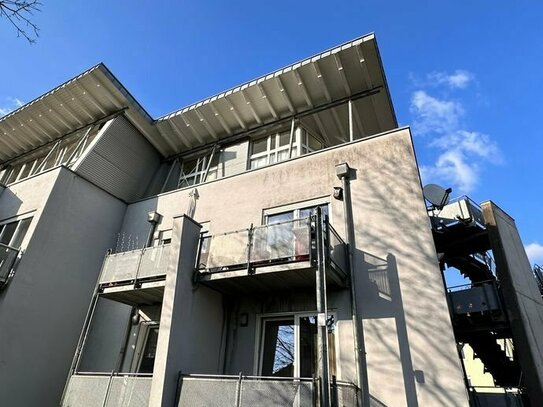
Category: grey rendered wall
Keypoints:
(122, 161)
(411, 352)
(521, 295)
(43, 308)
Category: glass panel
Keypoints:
(284, 139)
(20, 233)
(280, 217)
(148, 356)
(278, 348)
(261, 145)
(259, 162)
(7, 232)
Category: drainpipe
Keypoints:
(343, 172)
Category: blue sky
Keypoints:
(465, 75)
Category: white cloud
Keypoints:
(459, 79)
(460, 153)
(433, 115)
(9, 105)
(535, 252)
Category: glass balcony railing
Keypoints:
(146, 263)
(259, 246)
(95, 390)
(8, 257)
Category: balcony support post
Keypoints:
(322, 311)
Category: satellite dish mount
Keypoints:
(436, 195)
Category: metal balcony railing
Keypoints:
(284, 242)
(288, 241)
(146, 263)
(260, 391)
(237, 391)
(458, 210)
(8, 257)
(480, 298)
(111, 390)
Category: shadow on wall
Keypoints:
(9, 203)
(384, 301)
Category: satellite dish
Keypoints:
(436, 195)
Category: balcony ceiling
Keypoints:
(349, 70)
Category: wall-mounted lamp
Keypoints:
(338, 193)
(243, 319)
(153, 217)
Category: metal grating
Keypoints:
(129, 391)
(107, 391)
(208, 392)
(269, 393)
(88, 391)
(245, 391)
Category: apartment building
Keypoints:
(270, 245)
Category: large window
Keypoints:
(297, 213)
(65, 151)
(277, 147)
(12, 233)
(288, 345)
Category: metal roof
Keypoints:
(350, 70)
(346, 71)
(82, 100)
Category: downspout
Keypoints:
(343, 172)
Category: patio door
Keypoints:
(288, 346)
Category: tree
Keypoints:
(19, 14)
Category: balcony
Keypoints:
(258, 391)
(271, 257)
(8, 257)
(461, 220)
(95, 390)
(136, 276)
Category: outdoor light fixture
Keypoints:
(153, 217)
(244, 319)
(338, 193)
(343, 170)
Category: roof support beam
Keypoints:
(322, 82)
(248, 102)
(182, 137)
(304, 89)
(341, 71)
(25, 130)
(49, 123)
(284, 94)
(367, 81)
(221, 120)
(112, 99)
(359, 123)
(206, 124)
(90, 96)
(190, 126)
(343, 136)
(235, 113)
(267, 100)
(83, 105)
(69, 111)
(57, 116)
(322, 129)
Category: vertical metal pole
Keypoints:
(291, 139)
(360, 352)
(249, 249)
(351, 123)
(104, 404)
(238, 389)
(322, 312)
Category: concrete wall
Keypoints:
(43, 308)
(521, 295)
(411, 352)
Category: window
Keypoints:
(65, 151)
(276, 147)
(294, 214)
(13, 233)
(288, 345)
(197, 170)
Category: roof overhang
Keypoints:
(351, 70)
(83, 100)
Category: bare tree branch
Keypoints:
(19, 13)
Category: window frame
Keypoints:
(17, 219)
(296, 316)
